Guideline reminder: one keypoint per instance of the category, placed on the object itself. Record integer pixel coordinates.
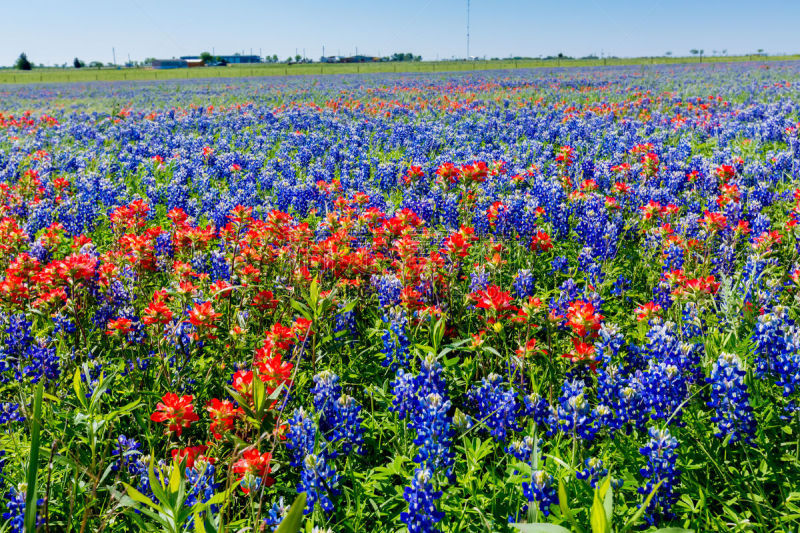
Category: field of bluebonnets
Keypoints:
(433, 303)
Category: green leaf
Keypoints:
(209, 524)
(564, 506)
(300, 308)
(294, 518)
(314, 292)
(598, 515)
(156, 485)
(175, 476)
(199, 526)
(673, 530)
(645, 504)
(540, 527)
(77, 386)
(608, 501)
(33, 461)
(137, 496)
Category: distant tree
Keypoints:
(96, 64)
(274, 58)
(668, 53)
(23, 63)
(77, 63)
(297, 58)
(206, 58)
(760, 51)
(694, 51)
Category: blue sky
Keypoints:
(54, 31)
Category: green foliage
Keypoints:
(170, 510)
(23, 63)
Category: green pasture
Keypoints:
(61, 75)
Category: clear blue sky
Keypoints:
(55, 31)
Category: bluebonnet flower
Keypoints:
(422, 515)
(346, 424)
(523, 448)
(345, 322)
(389, 288)
(559, 264)
(769, 339)
(404, 390)
(15, 509)
(63, 325)
(594, 472)
(495, 406)
(10, 412)
(326, 391)
(301, 436)
(319, 481)
(127, 452)
(395, 340)
(536, 407)
(276, 514)
(620, 287)
(43, 362)
(434, 432)
(339, 418)
(523, 284)
(478, 280)
(666, 388)
(787, 366)
(573, 414)
(661, 454)
(541, 490)
(729, 397)
(609, 344)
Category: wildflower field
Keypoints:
(551, 300)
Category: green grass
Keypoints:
(59, 75)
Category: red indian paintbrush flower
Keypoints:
(583, 318)
(223, 414)
(647, 311)
(156, 313)
(203, 315)
(541, 242)
(191, 454)
(253, 469)
(496, 301)
(176, 411)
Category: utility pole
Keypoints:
(114, 54)
(467, 30)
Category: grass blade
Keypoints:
(33, 464)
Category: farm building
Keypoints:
(236, 58)
(169, 63)
(359, 59)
